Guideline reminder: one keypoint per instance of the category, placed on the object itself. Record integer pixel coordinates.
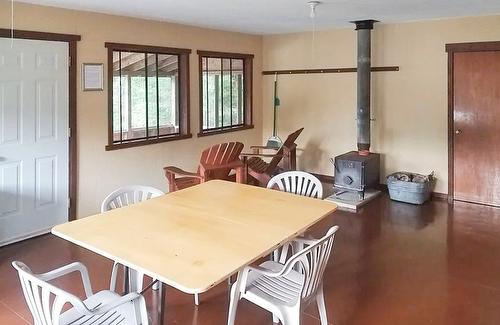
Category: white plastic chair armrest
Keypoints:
(305, 241)
(261, 270)
(67, 269)
(115, 303)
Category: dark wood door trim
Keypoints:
(40, 36)
(473, 47)
(451, 49)
(72, 49)
(451, 127)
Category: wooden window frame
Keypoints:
(247, 90)
(184, 124)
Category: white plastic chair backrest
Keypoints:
(45, 300)
(313, 260)
(298, 182)
(128, 195)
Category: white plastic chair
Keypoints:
(46, 301)
(282, 288)
(128, 195)
(298, 182)
(122, 197)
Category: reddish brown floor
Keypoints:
(393, 263)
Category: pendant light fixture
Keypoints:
(312, 6)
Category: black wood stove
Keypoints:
(357, 171)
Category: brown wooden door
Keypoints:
(476, 122)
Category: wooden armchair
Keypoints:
(216, 162)
(263, 171)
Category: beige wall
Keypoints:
(99, 172)
(410, 106)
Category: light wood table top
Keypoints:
(196, 238)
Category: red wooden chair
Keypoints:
(216, 162)
(263, 171)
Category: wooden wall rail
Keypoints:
(328, 70)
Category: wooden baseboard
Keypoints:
(440, 196)
(324, 178)
(383, 187)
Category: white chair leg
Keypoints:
(291, 317)
(114, 275)
(275, 256)
(276, 320)
(233, 304)
(136, 280)
(320, 299)
(230, 280)
(196, 299)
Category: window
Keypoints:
(148, 95)
(225, 92)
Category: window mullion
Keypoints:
(146, 92)
(208, 100)
(240, 98)
(243, 90)
(130, 132)
(157, 99)
(120, 74)
(222, 91)
(231, 91)
(217, 99)
(177, 82)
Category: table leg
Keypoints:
(197, 299)
(161, 308)
(234, 297)
(126, 280)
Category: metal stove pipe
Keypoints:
(364, 28)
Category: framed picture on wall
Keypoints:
(92, 76)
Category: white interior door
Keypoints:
(34, 120)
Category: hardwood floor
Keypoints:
(392, 263)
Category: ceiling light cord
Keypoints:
(313, 40)
(11, 23)
(312, 15)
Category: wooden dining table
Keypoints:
(196, 238)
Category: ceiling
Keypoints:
(280, 16)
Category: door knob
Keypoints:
(458, 131)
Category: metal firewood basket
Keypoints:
(410, 187)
